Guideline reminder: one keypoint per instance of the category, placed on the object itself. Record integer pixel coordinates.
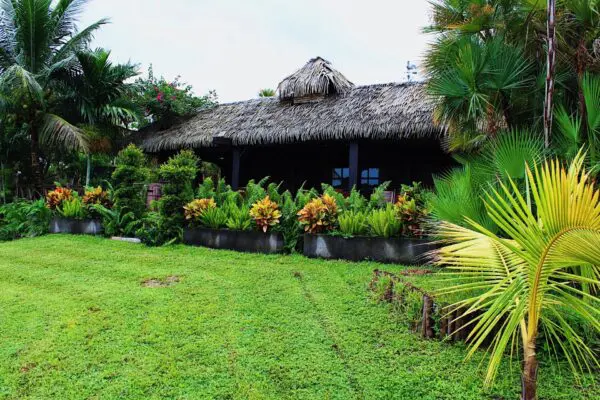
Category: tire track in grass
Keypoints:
(352, 381)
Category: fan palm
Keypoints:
(38, 40)
(544, 266)
(474, 82)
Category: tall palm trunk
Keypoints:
(36, 169)
(88, 170)
(3, 182)
(551, 67)
(530, 368)
(581, 67)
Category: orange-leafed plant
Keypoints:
(57, 196)
(319, 214)
(196, 208)
(412, 215)
(265, 213)
(96, 196)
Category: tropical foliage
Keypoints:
(542, 267)
(162, 102)
(265, 214)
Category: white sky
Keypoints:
(240, 46)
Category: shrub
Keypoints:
(56, 197)
(290, 226)
(377, 199)
(319, 214)
(129, 180)
(352, 223)
(178, 173)
(72, 208)
(265, 213)
(96, 196)
(194, 210)
(355, 201)
(238, 217)
(411, 210)
(151, 231)
(214, 218)
(383, 222)
(117, 221)
(255, 191)
(24, 219)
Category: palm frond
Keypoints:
(78, 41)
(509, 152)
(57, 132)
(543, 265)
(17, 78)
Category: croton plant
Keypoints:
(195, 209)
(265, 213)
(319, 214)
(57, 196)
(97, 196)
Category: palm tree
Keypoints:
(266, 93)
(580, 22)
(542, 269)
(481, 68)
(100, 96)
(38, 40)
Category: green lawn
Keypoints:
(76, 322)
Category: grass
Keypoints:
(77, 322)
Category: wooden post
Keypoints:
(235, 168)
(353, 158)
(427, 323)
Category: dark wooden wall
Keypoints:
(311, 163)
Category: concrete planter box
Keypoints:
(76, 226)
(247, 241)
(406, 251)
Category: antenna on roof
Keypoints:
(411, 71)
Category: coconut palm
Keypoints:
(38, 40)
(523, 284)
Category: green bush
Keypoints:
(72, 208)
(128, 180)
(178, 173)
(24, 219)
(383, 222)
(238, 217)
(352, 223)
(214, 218)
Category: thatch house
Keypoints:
(320, 128)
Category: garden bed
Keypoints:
(406, 251)
(76, 226)
(246, 241)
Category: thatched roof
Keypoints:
(384, 111)
(317, 78)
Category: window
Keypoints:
(341, 178)
(369, 177)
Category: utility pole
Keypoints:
(551, 67)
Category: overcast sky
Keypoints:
(240, 46)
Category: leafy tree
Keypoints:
(541, 268)
(164, 102)
(178, 173)
(129, 180)
(38, 41)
